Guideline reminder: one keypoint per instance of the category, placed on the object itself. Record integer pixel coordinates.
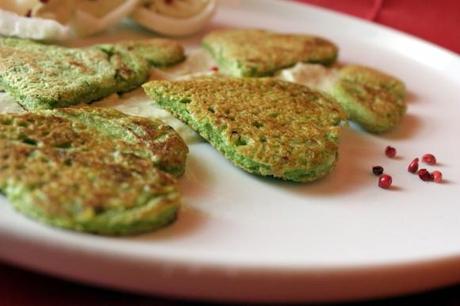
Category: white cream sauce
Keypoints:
(312, 75)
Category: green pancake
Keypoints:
(91, 169)
(158, 52)
(253, 53)
(374, 100)
(264, 126)
(42, 76)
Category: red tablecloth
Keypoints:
(437, 21)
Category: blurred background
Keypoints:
(437, 21)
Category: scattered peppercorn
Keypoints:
(390, 151)
(437, 176)
(413, 166)
(377, 170)
(385, 181)
(429, 159)
(425, 175)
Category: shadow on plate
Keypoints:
(192, 187)
(407, 129)
(188, 221)
(195, 181)
(411, 98)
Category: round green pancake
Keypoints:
(374, 100)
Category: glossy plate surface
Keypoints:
(240, 237)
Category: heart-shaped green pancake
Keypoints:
(265, 126)
(93, 170)
(261, 53)
(43, 76)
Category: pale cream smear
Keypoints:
(198, 62)
(312, 75)
(8, 104)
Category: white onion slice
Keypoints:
(85, 24)
(82, 23)
(174, 26)
(12, 24)
(8, 104)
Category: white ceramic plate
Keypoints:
(240, 237)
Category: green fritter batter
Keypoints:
(374, 100)
(252, 52)
(158, 52)
(265, 126)
(43, 76)
(91, 169)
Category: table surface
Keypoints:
(437, 21)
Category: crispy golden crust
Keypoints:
(265, 126)
(71, 169)
(260, 53)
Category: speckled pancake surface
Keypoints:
(43, 76)
(92, 170)
(265, 126)
(253, 52)
(159, 52)
(373, 99)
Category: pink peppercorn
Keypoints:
(429, 159)
(385, 181)
(437, 176)
(413, 166)
(390, 151)
(425, 175)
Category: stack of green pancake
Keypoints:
(373, 99)
(271, 127)
(100, 171)
(91, 169)
(87, 169)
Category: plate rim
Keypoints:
(267, 267)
